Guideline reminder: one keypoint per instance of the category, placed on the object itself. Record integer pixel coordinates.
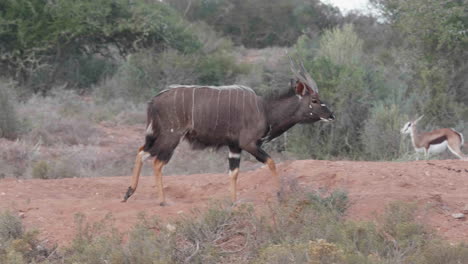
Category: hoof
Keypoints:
(162, 204)
(129, 193)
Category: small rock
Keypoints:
(458, 216)
(40, 248)
(170, 227)
(22, 215)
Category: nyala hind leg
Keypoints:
(157, 166)
(136, 173)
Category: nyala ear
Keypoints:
(302, 89)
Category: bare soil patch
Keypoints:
(440, 188)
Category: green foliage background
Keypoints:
(376, 72)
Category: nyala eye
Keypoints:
(314, 101)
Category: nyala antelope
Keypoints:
(435, 141)
(232, 116)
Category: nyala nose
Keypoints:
(332, 117)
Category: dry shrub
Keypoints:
(10, 227)
(188, 161)
(221, 234)
(150, 242)
(312, 252)
(56, 130)
(302, 228)
(54, 170)
(439, 252)
(40, 170)
(61, 118)
(283, 253)
(218, 235)
(76, 162)
(15, 157)
(17, 245)
(306, 215)
(99, 242)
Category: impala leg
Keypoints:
(234, 162)
(136, 174)
(454, 147)
(157, 166)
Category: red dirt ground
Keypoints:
(440, 188)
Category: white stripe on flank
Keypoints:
(183, 106)
(217, 110)
(256, 103)
(243, 106)
(229, 107)
(193, 108)
(175, 109)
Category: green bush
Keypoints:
(283, 253)
(95, 243)
(41, 170)
(261, 23)
(345, 84)
(148, 72)
(64, 167)
(76, 42)
(342, 46)
(10, 227)
(219, 69)
(16, 245)
(381, 137)
(439, 252)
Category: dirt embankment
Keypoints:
(440, 188)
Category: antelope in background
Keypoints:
(232, 116)
(435, 141)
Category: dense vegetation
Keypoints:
(68, 65)
(307, 227)
(375, 71)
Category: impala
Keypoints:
(435, 141)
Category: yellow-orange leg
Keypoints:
(157, 166)
(233, 175)
(272, 167)
(135, 175)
